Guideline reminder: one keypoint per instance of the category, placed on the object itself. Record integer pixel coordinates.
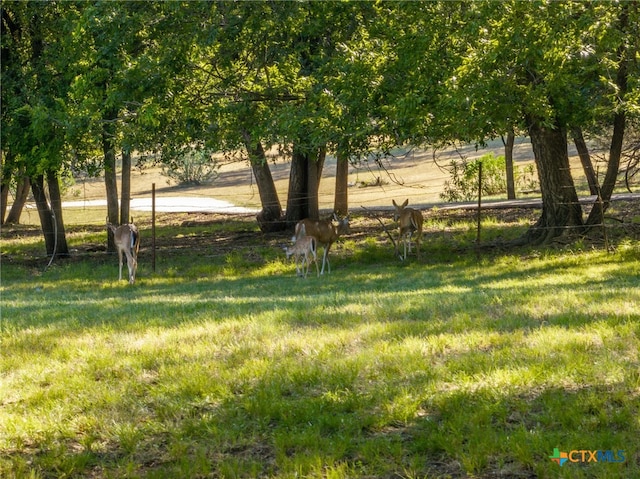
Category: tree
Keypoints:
(270, 218)
(624, 23)
(34, 83)
(513, 70)
(119, 52)
(15, 176)
(535, 66)
(229, 87)
(278, 73)
(315, 78)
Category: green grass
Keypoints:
(228, 365)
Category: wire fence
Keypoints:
(415, 191)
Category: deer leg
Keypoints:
(132, 264)
(120, 264)
(128, 256)
(404, 245)
(299, 268)
(135, 268)
(305, 265)
(315, 260)
(325, 259)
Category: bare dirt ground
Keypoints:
(416, 174)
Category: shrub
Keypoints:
(192, 167)
(463, 185)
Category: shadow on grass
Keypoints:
(462, 368)
(290, 422)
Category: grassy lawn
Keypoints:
(225, 364)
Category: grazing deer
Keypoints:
(127, 240)
(324, 231)
(410, 220)
(301, 249)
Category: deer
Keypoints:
(127, 240)
(325, 232)
(304, 248)
(410, 221)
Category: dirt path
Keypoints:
(414, 174)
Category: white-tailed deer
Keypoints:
(306, 249)
(127, 240)
(410, 220)
(325, 232)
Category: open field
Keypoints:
(222, 363)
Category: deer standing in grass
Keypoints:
(410, 221)
(304, 248)
(325, 232)
(127, 240)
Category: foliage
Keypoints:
(80, 78)
(524, 60)
(193, 167)
(34, 82)
(463, 185)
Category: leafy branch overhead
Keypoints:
(87, 83)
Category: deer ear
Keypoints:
(406, 202)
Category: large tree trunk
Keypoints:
(297, 198)
(62, 249)
(508, 159)
(110, 177)
(44, 212)
(22, 194)
(610, 178)
(313, 181)
(125, 200)
(304, 182)
(313, 177)
(9, 171)
(270, 217)
(585, 159)
(341, 199)
(561, 210)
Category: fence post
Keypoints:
(153, 227)
(479, 199)
(604, 227)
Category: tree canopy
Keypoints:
(84, 81)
